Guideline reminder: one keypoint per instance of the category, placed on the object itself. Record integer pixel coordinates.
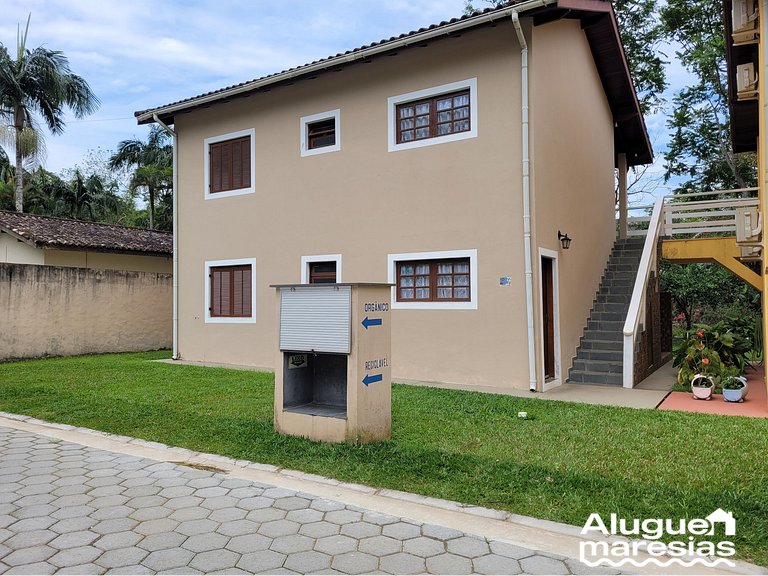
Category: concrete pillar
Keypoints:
(622, 196)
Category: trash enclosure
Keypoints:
(332, 374)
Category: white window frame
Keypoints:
(207, 303)
(394, 101)
(471, 304)
(207, 164)
(554, 256)
(306, 260)
(304, 135)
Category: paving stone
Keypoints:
(162, 560)
(73, 539)
(238, 528)
(71, 499)
(114, 525)
(319, 529)
(30, 538)
(246, 491)
(36, 568)
(401, 530)
(73, 524)
(192, 527)
(106, 491)
(211, 492)
(6, 520)
(538, 564)
(249, 543)
(510, 550)
(495, 564)
(150, 513)
(468, 546)
(361, 529)
(343, 516)
(424, 547)
(291, 503)
(184, 514)
(107, 501)
(156, 526)
(274, 492)
(33, 511)
(172, 491)
(206, 482)
(292, 544)
(29, 555)
(580, 568)
(266, 515)
(218, 502)
(449, 564)
(30, 524)
(122, 557)
(440, 532)
(162, 541)
(303, 562)
(89, 568)
(183, 502)
(118, 540)
(136, 569)
(326, 505)
(402, 563)
(278, 528)
(379, 518)
(380, 545)
(205, 542)
(75, 556)
(216, 560)
(255, 503)
(355, 563)
(35, 500)
(72, 512)
(111, 512)
(138, 491)
(227, 514)
(261, 561)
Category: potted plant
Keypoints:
(702, 387)
(734, 388)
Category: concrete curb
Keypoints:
(560, 540)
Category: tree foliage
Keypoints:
(40, 83)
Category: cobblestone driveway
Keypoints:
(67, 508)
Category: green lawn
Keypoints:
(563, 463)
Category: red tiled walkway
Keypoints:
(755, 405)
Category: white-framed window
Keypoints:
(229, 164)
(434, 280)
(320, 133)
(431, 116)
(230, 291)
(321, 269)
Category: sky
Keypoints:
(141, 54)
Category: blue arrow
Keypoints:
(370, 379)
(371, 322)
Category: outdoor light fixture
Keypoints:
(564, 240)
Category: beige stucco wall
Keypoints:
(109, 261)
(364, 203)
(16, 252)
(573, 172)
(58, 311)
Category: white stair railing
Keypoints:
(648, 264)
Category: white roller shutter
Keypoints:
(315, 318)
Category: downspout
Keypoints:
(175, 355)
(527, 248)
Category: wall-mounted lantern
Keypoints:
(564, 240)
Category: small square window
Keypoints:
(230, 290)
(320, 133)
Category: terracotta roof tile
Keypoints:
(47, 232)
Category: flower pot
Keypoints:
(736, 394)
(702, 387)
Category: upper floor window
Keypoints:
(433, 116)
(320, 133)
(229, 164)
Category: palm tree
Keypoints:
(37, 81)
(153, 163)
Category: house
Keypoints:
(71, 287)
(449, 161)
(720, 516)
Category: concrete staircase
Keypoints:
(599, 356)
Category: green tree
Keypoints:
(152, 163)
(700, 151)
(40, 82)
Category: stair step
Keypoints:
(620, 267)
(597, 344)
(611, 316)
(599, 354)
(601, 366)
(605, 336)
(606, 325)
(611, 307)
(597, 378)
(609, 298)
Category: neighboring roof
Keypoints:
(63, 233)
(744, 114)
(598, 21)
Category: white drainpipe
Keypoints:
(175, 355)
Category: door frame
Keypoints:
(558, 379)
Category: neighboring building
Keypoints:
(70, 287)
(33, 239)
(420, 161)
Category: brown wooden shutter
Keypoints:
(230, 165)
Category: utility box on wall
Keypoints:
(332, 374)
